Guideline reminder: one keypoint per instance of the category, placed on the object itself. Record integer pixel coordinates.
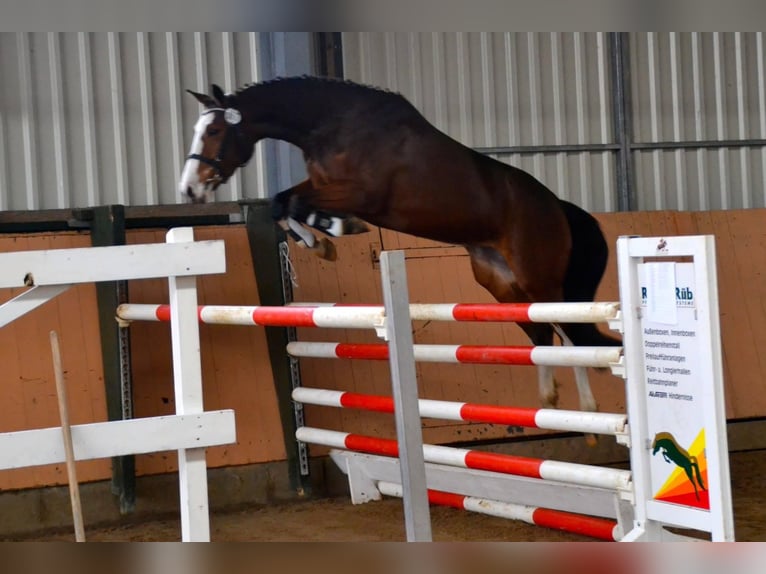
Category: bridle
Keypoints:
(233, 119)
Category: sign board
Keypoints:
(671, 349)
(679, 454)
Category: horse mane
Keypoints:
(308, 80)
(334, 92)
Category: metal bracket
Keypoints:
(615, 324)
(628, 494)
(623, 437)
(618, 368)
(381, 328)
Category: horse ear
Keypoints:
(204, 99)
(218, 94)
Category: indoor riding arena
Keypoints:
(178, 370)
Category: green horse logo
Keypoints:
(673, 453)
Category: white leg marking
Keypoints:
(547, 386)
(305, 234)
(587, 401)
(335, 228)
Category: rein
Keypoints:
(233, 118)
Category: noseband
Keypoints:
(233, 118)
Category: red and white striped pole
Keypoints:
(548, 419)
(473, 354)
(566, 472)
(594, 527)
(366, 316)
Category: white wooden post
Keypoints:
(187, 380)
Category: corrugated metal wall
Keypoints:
(513, 90)
(699, 87)
(98, 118)
(544, 94)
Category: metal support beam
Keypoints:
(623, 131)
(264, 237)
(108, 228)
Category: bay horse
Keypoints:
(372, 157)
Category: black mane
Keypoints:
(303, 108)
(316, 83)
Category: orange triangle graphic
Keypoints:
(679, 488)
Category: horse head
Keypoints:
(219, 146)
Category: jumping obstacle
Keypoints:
(363, 316)
(641, 501)
(547, 419)
(549, 470)
(668, 305)
(50, 273)
(612, 486)
(565, 521)
(603, 357)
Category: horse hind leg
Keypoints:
(688, 471)
(584, 392)
(492, 272)
(541, 334)
(587, 400)
(698, 473)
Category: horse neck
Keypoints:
(287, 114)
(278, 131)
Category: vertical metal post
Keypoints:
(108, 228)
(265, 237)
(405, 392)
(623, 130)
(329, 54)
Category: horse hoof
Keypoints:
(326, 250)
(353, 225)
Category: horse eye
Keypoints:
(213, 131)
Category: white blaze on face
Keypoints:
(189, 176)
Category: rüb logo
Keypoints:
(684, 296)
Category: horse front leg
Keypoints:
(292, 210)
(302, 206)
(282, 208)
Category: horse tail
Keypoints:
(587, 262)
(693, 460)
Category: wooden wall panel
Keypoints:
(236, 371)
(741, 257)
